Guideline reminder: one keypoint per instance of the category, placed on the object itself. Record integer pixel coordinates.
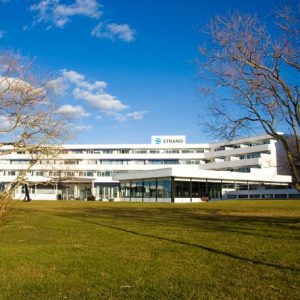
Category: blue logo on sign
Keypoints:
(157, 141)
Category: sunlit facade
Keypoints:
(129, 172)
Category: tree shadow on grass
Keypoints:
(209, 249)
(258, 226)
(78, 215)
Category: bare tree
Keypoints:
(28, 120)
(251, 78)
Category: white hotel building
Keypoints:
(167, 170)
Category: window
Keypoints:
(228, 186)
(107, 151)
(267, 196)
(123, 151)
(111, 162)
(248, 156)
(125, 190)
(140, 151)
(190, 162)
(71, 162)
(214, 190)
(171, 162)
(150, 189)
(164, 162)
(254, 196)
(163, 189)
(155, 162)
(199, 150)
(294, 196)
(139, 189)
(86, 173)
(172, 151)
(280, 196)
(244, 170)
(17, 162)
(182, 189)
(188, 151)
(70, 173)
(154, 151)
(104, 173)
(11, 173)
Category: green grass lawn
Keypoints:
(94, 250)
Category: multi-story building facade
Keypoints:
(91, 171)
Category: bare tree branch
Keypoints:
(28, 119)
(259, 73)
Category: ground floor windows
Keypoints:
(150, 189)
(194, 189)
(174, 189)
(164, 188)
(169, 188)
(182, 189)
(146, 189)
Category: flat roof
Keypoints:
(193, 172)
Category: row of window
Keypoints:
(229, 147)
(251, 186)
(134, 151)
(144, 151)
(58, 173)
(239, 157)
(122, 162)
(146, 189)
(108, 162)
(264, 196)
(162, 189)
(93, 173)
(120, 151)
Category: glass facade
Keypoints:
(142, 189)
(189, 190)
(167, 188)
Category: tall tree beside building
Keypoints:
(28, 120)
(250, 76)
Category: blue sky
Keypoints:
(123, 69)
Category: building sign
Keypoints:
(167, 139)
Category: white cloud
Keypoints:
(82, 127)
(58, 86)
(53, 12)
(102, 102)
(73, 111)
(135, 115)
(114, 31)
(79, 81)
(2, 32)
(92, 92)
